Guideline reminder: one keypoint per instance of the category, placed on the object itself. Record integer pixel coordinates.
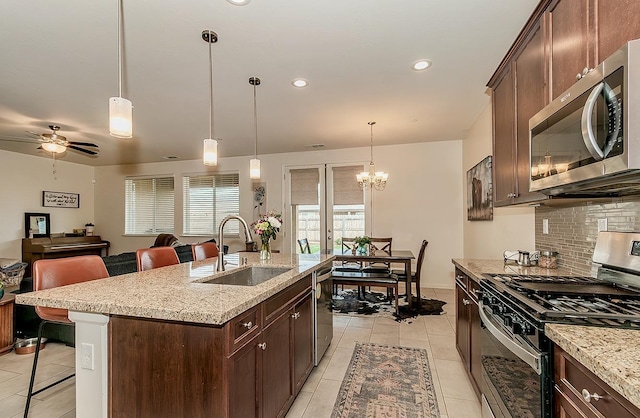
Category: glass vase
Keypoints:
(265, 250)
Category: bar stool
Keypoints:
(58, 272)
(204, 250)
(152, 258)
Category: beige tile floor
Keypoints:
(436, 334)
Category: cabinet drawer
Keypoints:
(571, 378)
(275, 304)
(473, 289)
(243, 328)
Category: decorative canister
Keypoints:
(548, 259)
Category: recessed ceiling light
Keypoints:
(300, 82)
(421, 65)
(239, 2)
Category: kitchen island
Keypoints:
(164, 342)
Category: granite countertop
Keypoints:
(177, 293)
(476, 267)
(610, 353)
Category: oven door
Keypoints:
(515, 375)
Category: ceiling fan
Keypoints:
(56, 143)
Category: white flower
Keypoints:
(274, 222)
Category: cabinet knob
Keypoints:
(585, 71)
(263, 346)
(248, 325)
(578, 76)
(588, 396)
(466, 301)
(295, 315)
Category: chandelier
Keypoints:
(374, 179)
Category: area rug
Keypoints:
(387, 382)
(376, 304)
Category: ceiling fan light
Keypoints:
(53, 147)
(210, 152)
(254, 169)
(120, 117)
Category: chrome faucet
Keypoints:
(247, 236)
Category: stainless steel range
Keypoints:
(516, 357)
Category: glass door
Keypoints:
(324, 204)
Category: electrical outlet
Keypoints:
(86, 356)
(545, 226)
(602, 224)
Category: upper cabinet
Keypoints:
(561, 40)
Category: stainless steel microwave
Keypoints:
(587, 141)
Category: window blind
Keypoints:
(149, 206)
(207, 200)
(346, 190)
(304, 186)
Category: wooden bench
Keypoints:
(362, 279)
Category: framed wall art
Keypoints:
(480, 192)
(60, 200)
(37, 225)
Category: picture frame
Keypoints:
(60, 199)
(38, 224)
(480, 191)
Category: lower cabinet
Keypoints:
(468, 327)
(580, 393)
(252, 366)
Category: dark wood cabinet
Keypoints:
(569, 53)
(468, 327)
(574, 387)
(618, 23)
(6, 322)
(503, 139)
(252, 366)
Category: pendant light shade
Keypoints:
(254, 164)
(210, 147)
(254, 169)
(120, 109)
(210, 152)
(120, 117)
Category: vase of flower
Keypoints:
(267, 226)
(265, 250)
(362, 245)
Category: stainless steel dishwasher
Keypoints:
(322, 287)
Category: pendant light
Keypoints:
(120, 109)
(374, 179)
(210, 148)
(254, 164)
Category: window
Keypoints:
(149, 206)
(207, 200)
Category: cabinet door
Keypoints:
(243, 368)
(277, 388)
(462, 324)
(618, 22)
(504, 140)
(530, 98)
(302, 341)
(569, 42)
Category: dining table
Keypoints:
(379, 256)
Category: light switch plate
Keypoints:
(86, 356)
(545, 226)
(602, 224)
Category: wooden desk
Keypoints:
(395, 256)
(6, 320)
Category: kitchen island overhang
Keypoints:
(173, 294)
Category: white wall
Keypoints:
(512, 228)
(422, 200)
(22, 180)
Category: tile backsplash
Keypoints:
(573, 229)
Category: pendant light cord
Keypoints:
(210, 89)
(255, 120)
(119, 48)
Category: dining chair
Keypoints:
(348, 245)
(379, 245)
(204, 250)
(151, 258)
(415, 275)
(56, 272)
(304, 246)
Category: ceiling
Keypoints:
(59, 65)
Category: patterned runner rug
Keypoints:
(387, 382)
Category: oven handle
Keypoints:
(532, 359)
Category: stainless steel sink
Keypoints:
(250, 277)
